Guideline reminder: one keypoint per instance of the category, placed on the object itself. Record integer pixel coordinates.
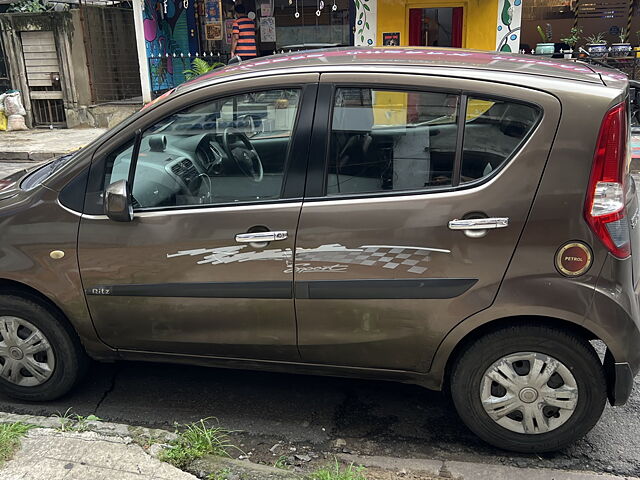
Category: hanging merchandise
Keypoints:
(267, 29)
(266, 9)
(320, 5)
(297, 14)
(213, 11)
(228, 30)
(334, 7)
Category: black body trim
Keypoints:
(619, 380)
(275, 289)
(397, 288)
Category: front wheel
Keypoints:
(529, 388)
(40, 356)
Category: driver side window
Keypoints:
(224, 151)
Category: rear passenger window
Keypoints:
(385, 140)
(493, 131)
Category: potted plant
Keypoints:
(623, 48)
(199, 67)
(572, 40)
(545, 47)
(597, 45)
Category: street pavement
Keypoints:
(47, 454)
(375, 418)
(39, 144)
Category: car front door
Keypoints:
(413, 212)
(204, 267)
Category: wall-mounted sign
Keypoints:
(391, 38)
(213, 31)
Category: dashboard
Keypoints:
(174, 169)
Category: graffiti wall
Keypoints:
(170, 35)
(509, 22)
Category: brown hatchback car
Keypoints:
(440, 217)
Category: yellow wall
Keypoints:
(479, 20)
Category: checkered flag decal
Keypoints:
(410, 259)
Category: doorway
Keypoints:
(435, 27)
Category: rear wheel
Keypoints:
(529, 388)
(40, 357)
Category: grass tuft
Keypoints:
(71, 422)
(336, 472)
(223, 474)
(282, 463)
(10, 434)
(196, 441)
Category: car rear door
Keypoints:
(418, 190)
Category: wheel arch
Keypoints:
(447, 354)
(23, 290)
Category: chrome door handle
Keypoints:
(261, 237)
(479, 223)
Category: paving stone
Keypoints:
(47, 454)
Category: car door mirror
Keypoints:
(117, 202)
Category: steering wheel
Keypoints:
(246, 158)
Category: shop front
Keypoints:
(477, 24)
(177, 31)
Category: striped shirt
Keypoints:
(245, 28)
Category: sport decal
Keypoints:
(402, 258)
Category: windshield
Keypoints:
(38, 176)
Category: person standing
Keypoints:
(243, 43)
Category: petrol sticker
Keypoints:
(573, 259)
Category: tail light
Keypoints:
(604, 208)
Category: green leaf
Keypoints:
(507, 13)
(362, 38)
(506, 48)
(366, 7)
(367, 26)
(361, 15)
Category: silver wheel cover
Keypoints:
(529, 393)
(26, 356)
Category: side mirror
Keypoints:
(117, 202)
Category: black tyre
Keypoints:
(529, 388)
(40, 356)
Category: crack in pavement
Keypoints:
(110, 388)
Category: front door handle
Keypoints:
(261, 237)
(479, 223)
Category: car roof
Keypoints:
(354, 57)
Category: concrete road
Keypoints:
(381, 418)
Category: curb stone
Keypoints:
(242, 469)
(127, 434)
(474, 470)
(110, 429)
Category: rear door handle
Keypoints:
(261, 237)
(479, 223)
